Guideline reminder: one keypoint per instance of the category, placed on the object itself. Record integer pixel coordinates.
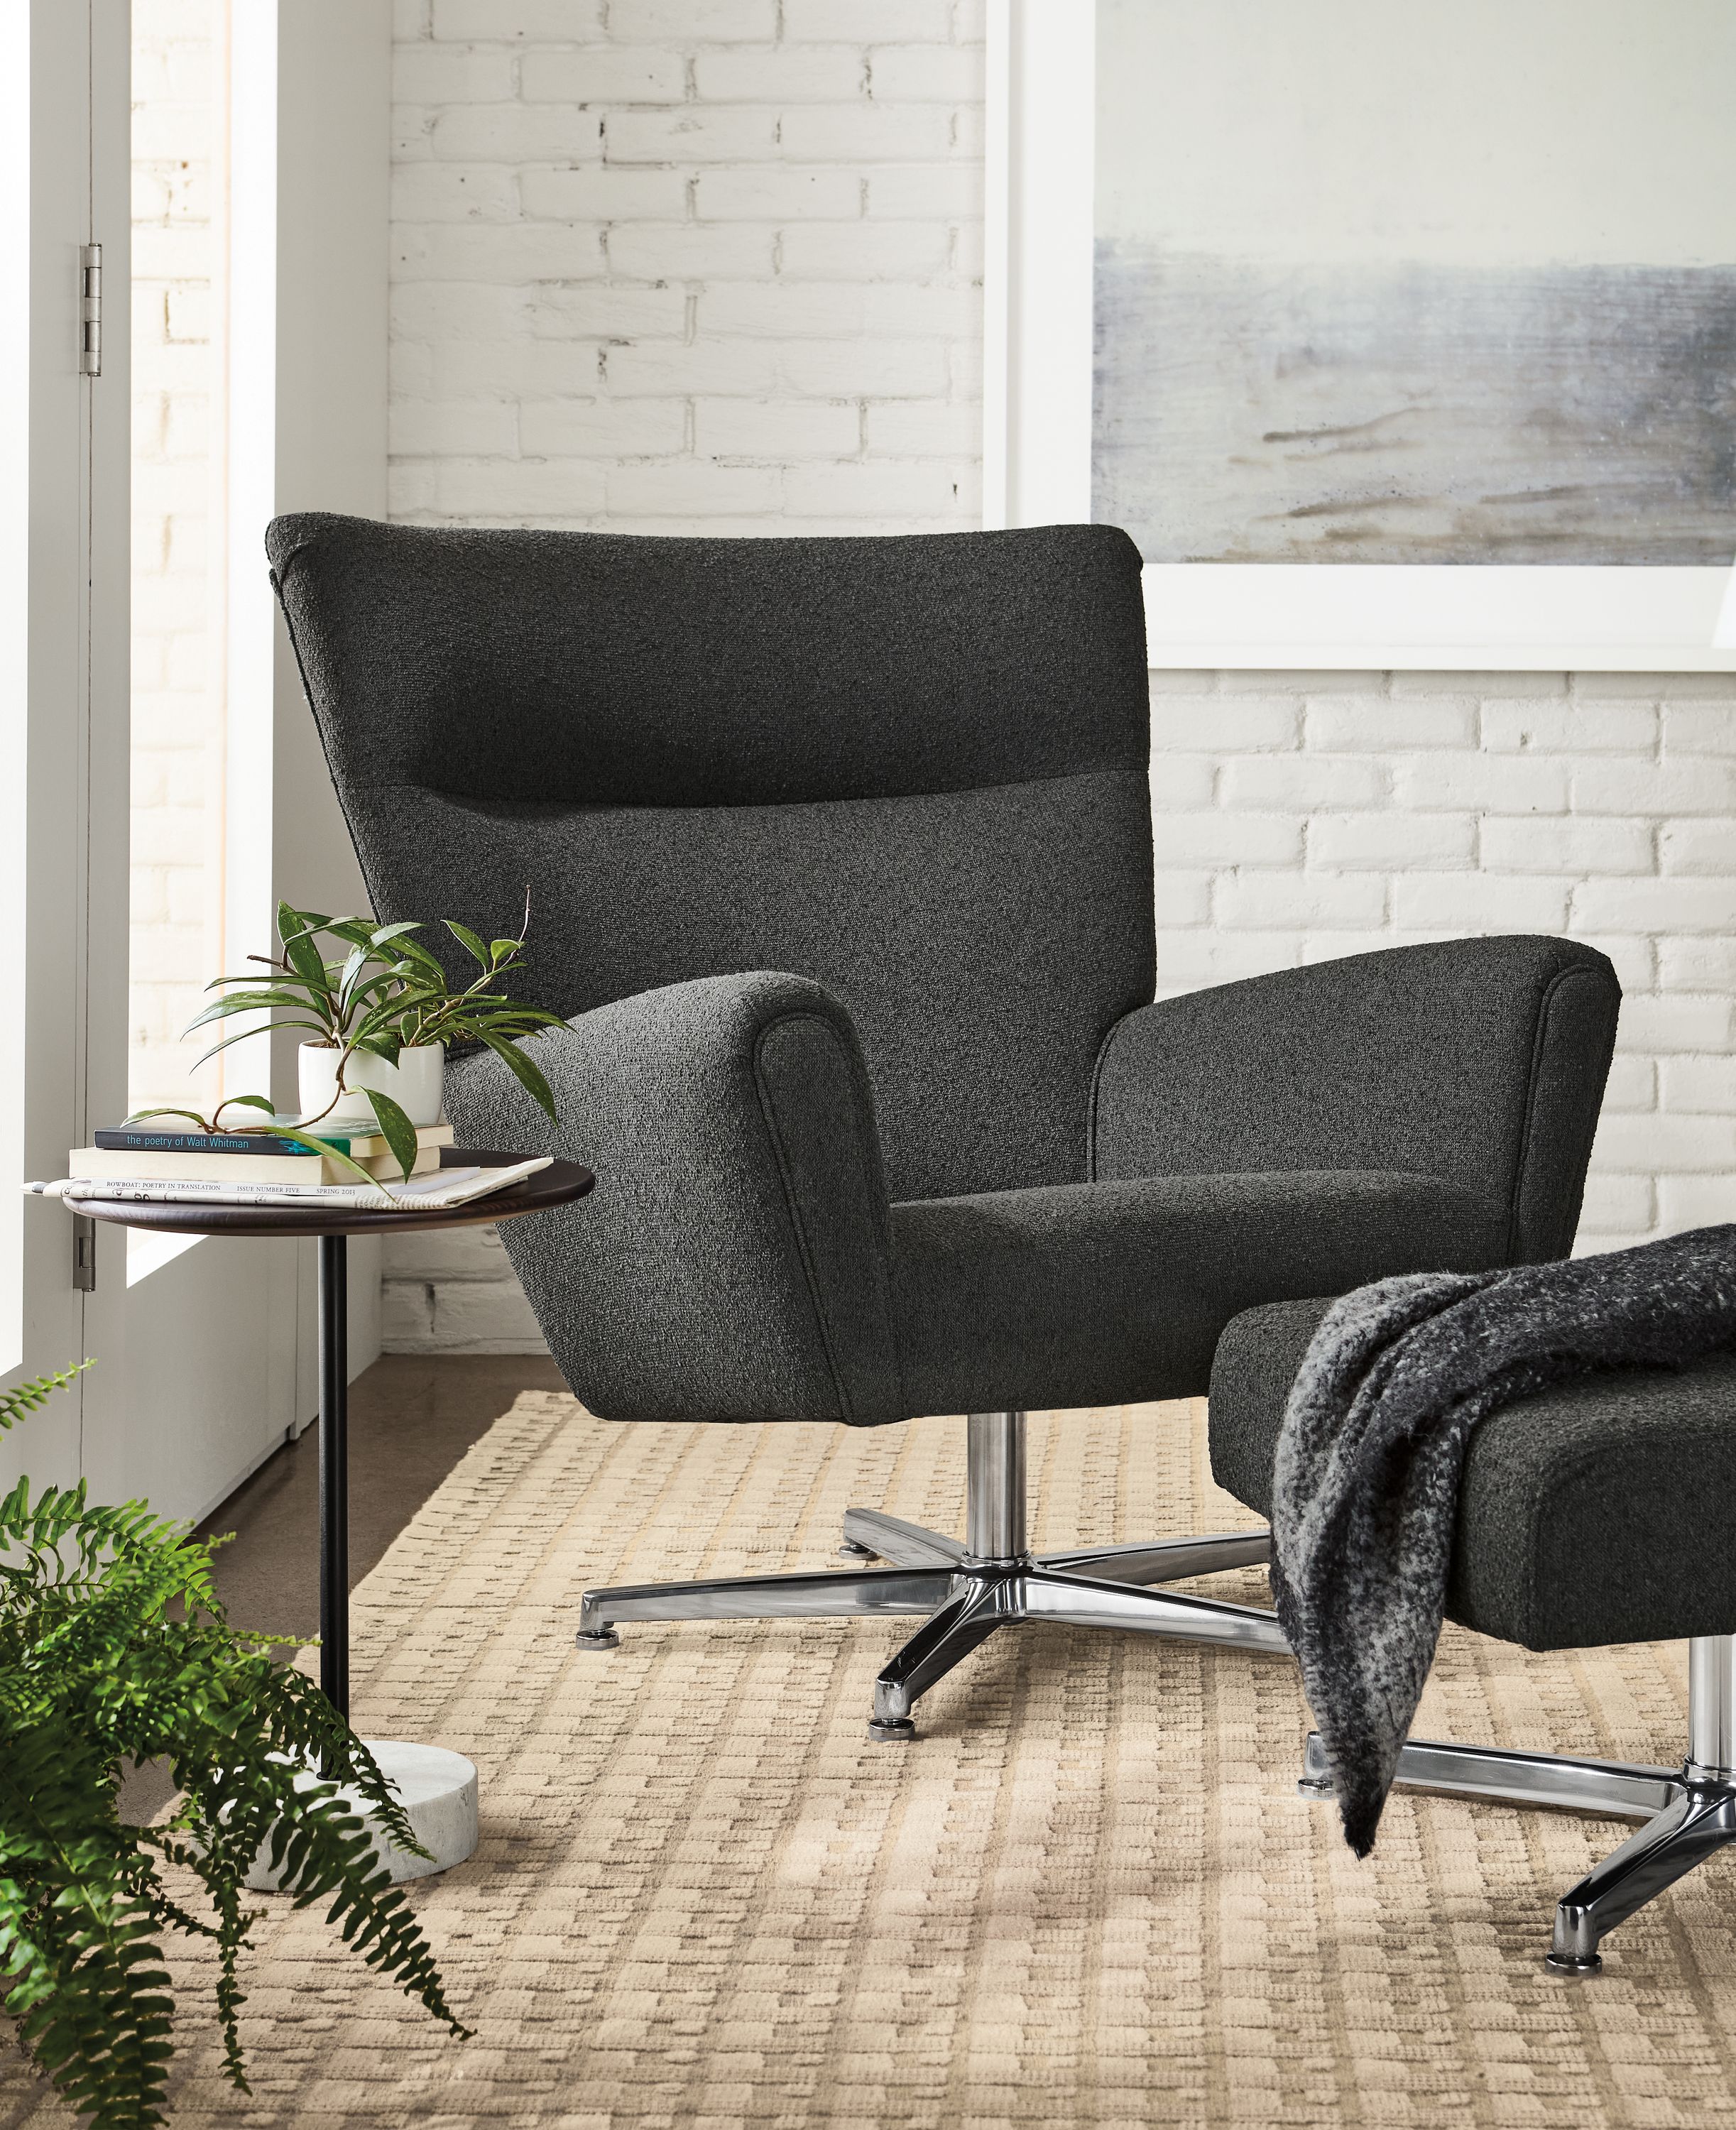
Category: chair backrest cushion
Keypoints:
(913, 769)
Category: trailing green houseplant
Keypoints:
(296, 1137)
(429, 1009)
(113, 1646)
(387, 993)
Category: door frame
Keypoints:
(55, 87)
(205, 1365)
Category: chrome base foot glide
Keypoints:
(970, 1589)
(1689, 1811)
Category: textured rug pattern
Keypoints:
(1087, 1896)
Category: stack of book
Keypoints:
(155, 1153)
(154, 1163)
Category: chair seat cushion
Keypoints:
(1597, 1511)
(1084, 1294)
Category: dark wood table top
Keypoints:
(558, 1185)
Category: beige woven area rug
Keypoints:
(1087, 1895)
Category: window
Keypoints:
(179, 436)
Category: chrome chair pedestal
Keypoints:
(969, 1588)
(1689, 1811)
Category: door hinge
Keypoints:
(90, 311)
(84, 1253)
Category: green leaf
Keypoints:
(413, 992)
(114, 1645)
(291, 920)
(139, 1117)
(245, 1101)
(395, 931)
(414, 951)
(355, 929)
(337, 1153)
(395, 1128)
(277, 975)
(303, 956)
(349, 976)
(468, 940)
(528, 1075)
(247, 1034)
(267, 999)
(375, 990)
(26, 1397)
(525, 1016)
(395, 1007)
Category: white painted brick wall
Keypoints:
(680, 265)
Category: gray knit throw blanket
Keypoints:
(1365, 1486)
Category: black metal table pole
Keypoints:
(334, 1471)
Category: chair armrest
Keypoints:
(734, 1261)
(1479, 1060)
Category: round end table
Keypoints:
(437, 1788)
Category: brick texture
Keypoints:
(715, 266)
(667, 266)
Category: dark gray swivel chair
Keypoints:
(840, 854)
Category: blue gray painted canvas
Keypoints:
(1247, 412)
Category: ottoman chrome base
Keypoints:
(1689, 1811)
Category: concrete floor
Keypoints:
(412, 1418)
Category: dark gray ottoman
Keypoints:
(1598, 1512)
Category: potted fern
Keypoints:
(113, 1646)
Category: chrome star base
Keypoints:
(969, 1588)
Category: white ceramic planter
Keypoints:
(416, 1083)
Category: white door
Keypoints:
(136, 797)
(160, 781)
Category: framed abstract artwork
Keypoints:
(1394, 336)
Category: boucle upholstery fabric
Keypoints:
(893, 791)
(907, 909)
(1595, 1512)
(610, 669)
(913, 770)
(1071, 1294)
(1483, 1064)
(740, 1268)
